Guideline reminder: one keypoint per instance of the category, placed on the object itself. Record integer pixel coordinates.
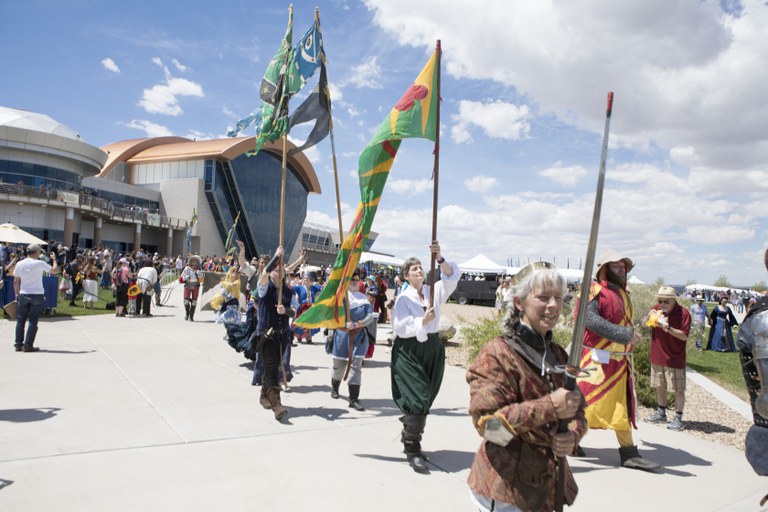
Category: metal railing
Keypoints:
(86, 201)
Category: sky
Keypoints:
(524, 87)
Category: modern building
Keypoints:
(322, 243)
(142, 192)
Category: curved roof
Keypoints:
(160, 149)
(27, 120)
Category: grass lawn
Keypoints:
(721, 367)
(63, 309)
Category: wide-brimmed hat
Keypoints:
(666, 292)
(194, 257)
(609, 255)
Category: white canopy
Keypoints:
(634, 280)
(481, 264)
(571, 274)
(711, 288)
(15, 235)
(384, 259)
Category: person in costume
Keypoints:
(670, 325)
(699, 320)
(122, 281)
(418, 354)
(146, 278)
(513, 405)
(721, 320)
(273, 332)
(359, 318)
(191, 277)
(91, 283)
(609, 340)
(752, 341)
(305, 293)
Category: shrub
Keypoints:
(477, 334)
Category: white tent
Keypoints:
(571, 274)
(382, 259)
(481, 264)
(634, 280)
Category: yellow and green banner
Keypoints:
(415, 115)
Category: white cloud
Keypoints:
(683, 155)
(565, 176)
(688, 75)
(163, 98)
(110, 65)
(150, 128)
(366, 75)
(481, 183)
(181, 67)
(498, 119)
(409, 188)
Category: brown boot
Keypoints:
(263, 400)
(273, 395)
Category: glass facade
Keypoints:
(34, 175)
(259, 182)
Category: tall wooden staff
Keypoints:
(573, 368)
(436, 178)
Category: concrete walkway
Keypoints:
(158, 414)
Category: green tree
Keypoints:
(723, 281)
(760, 286)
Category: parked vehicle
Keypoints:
(476, 289)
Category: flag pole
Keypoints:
(333, 142)
(281, 260)
(435, 177)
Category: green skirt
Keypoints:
(417, 373)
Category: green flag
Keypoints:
(274, 93)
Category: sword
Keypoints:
(573, 369)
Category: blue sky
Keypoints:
(524, 87)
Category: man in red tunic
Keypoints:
(609, 341)
(669, 335)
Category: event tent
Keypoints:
(381, 259)
(481, 264)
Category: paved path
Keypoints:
(158, 414)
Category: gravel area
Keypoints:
(705, 416)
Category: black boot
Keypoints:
(186, 308)
(335, 388)
(354, 394)
(630, 458)
(413, 427)
(192, 305)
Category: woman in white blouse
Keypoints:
(418, 354)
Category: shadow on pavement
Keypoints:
(5, 483)
(28, 415)
(450, 461)
(51, 351)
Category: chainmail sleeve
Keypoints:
(602, 327)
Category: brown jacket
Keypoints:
(502, 381)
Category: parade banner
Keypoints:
(153, 219)
(413, 116)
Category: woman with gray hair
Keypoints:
(418, 354)
(517, 397)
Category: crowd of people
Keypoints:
(518, 396)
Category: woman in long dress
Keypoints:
(721, 320)
(91, 283)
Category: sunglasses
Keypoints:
(665, 301)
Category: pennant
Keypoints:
(415, 115)
(317, 107)
(307, 56)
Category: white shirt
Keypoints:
(30, 273)
(146, 278)
(409, 308)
